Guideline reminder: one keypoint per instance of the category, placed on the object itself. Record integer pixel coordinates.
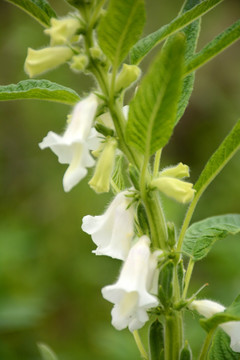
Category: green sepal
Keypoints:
(118, 180)
(165, 282)
(104, 130)
(156, 340)
(39, 90)
(40, 10)
(186, 353)
(220, 348)
(142, 218)
(134, 176)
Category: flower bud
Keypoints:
(79, 62)
(40, 61)
(179, 171)
(176, 189)
(62, 30)
(96, 53)
(127, 76)
(100, 181)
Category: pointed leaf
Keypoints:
(39, 9)
(192, 33)
(146, 44)
(120, 28)
(39, 89)
(46, 352)
(201, 235)
(216, 46)
(220, 348)
(152, 112)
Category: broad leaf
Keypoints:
(152, 112)
(39, 9)
(146, 44)
(201, 235)
(192, 33)
(120, 28)
(217, 45)
(39, 89)
(220, 348)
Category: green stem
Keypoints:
(157, 162)
(206, 344)
(172, 339)
(140, 345)
(188, 277)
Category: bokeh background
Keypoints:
(50, 282)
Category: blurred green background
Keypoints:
(50, 282)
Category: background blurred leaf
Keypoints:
(46, 352)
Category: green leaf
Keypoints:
(46, 352)
(120, 28)
(39, 89)
(220, 348)
(156, 340)
(152, 112)
(146, 44)
(192, 33)
(39, 9)
(217, 45)
(201, 236)
(219, 159)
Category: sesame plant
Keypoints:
(121, 145)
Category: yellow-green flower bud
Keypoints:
(179, 171)
(62, 30)
(79, 62)
(176, 189)
(127, 76)
(100, 181)
(40, 61)
(96, 53)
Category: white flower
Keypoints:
(131, 293)
(209, 308)
(113, 231)
(73, 146)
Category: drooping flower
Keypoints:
(100, 181)
(73, 146)
(131, 293)
(113, 231)
(209, 308)
(42, 60)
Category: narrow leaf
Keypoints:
(118, 181)
(120, 28)
(192, 33)
(219, 159)
(46, 352)
(220, 348)
(39, 89)
(146, 44)
(152, 112)
(217, 45)
(39, 9)
(201, 235)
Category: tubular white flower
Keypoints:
(73, 146)
(131, 293)
(209, 308)
(113, 231)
